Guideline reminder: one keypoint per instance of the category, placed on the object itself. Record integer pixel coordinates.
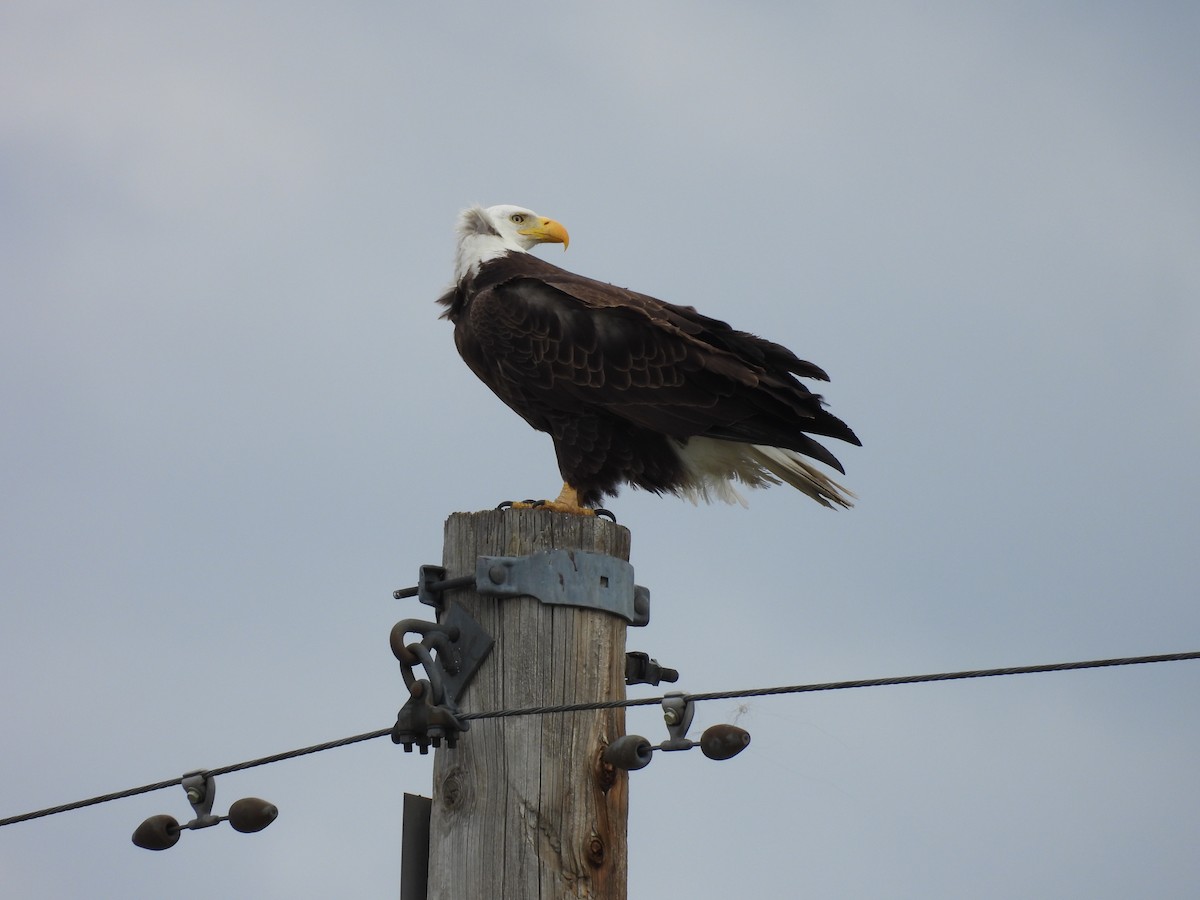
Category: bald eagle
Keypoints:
(631, 389)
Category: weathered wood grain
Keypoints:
(522, 807)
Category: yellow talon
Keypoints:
(566, 502)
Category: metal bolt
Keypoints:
(498, 574)
(671, 716)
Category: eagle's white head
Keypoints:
(484, 234)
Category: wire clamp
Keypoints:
(451, 652)
(718, 742)
(248, 815)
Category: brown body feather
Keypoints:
(622, 381)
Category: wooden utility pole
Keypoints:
(523, 807)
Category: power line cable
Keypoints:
(842, 685)
(616, 704)
(223, 770)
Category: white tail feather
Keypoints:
(714, 466)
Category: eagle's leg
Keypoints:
(567, 502)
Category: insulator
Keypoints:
(630, 753)
(250, 814)
(157, 833)
(723, 741)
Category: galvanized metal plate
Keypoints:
(566, 577)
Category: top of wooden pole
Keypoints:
(519, 532)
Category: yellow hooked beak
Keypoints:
(547, 231)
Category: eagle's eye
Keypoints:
(517, 218)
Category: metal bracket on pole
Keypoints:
(555, 577)
(567, 577)
(641, 669)
(564, 577)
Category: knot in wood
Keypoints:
(606, 774)
(595, 851)
(453, 790)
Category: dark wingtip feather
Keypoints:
(821, 454)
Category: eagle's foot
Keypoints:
(566, 502)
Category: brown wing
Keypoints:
(550, 342)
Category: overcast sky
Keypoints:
(232, 423)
